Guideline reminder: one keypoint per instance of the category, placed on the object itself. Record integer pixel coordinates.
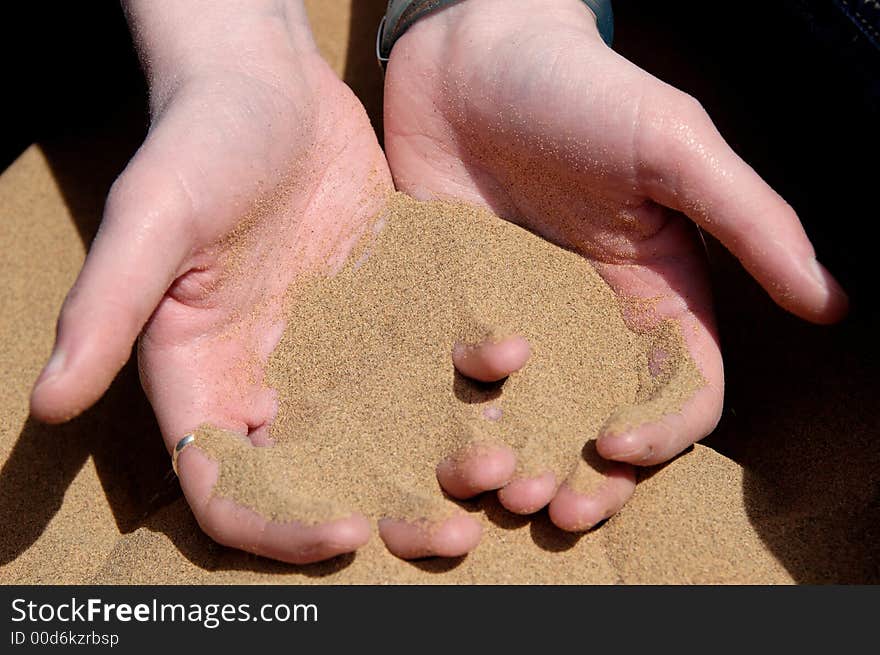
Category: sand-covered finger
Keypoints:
(595, 490)
(236, 497)
(491, 359)
(451, 537)
(679, 400)
(526, 495)
(476, 468)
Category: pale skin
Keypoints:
(260, 164)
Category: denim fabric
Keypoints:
(848, 31)
(865, 15)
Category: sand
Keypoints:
(369, 401)
(784, 491)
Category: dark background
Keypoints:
(792, 85)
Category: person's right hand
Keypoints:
(260, 164)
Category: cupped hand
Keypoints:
(260, 165)
(523, 108)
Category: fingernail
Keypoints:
(53, 367)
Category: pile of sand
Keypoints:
(369, 401)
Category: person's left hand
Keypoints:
(521, 107)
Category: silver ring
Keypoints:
(183, 443)
(382, 60)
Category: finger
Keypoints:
(479, 467)
(476, 468)
(669, 290)
(209, 380)
(135, 257)
(594, 491)
(662, 439)
(452, 537)
(491, 360)
(528, 494)
(687, 165)
(231, 524)
(190, 386)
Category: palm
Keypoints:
(262, 181)
(507, 135)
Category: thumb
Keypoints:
(134, 258)
(692, 169)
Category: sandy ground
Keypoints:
(786, 490)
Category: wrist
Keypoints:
(179, 39)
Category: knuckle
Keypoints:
(690, 108)
(678, 136)
(150, 196)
